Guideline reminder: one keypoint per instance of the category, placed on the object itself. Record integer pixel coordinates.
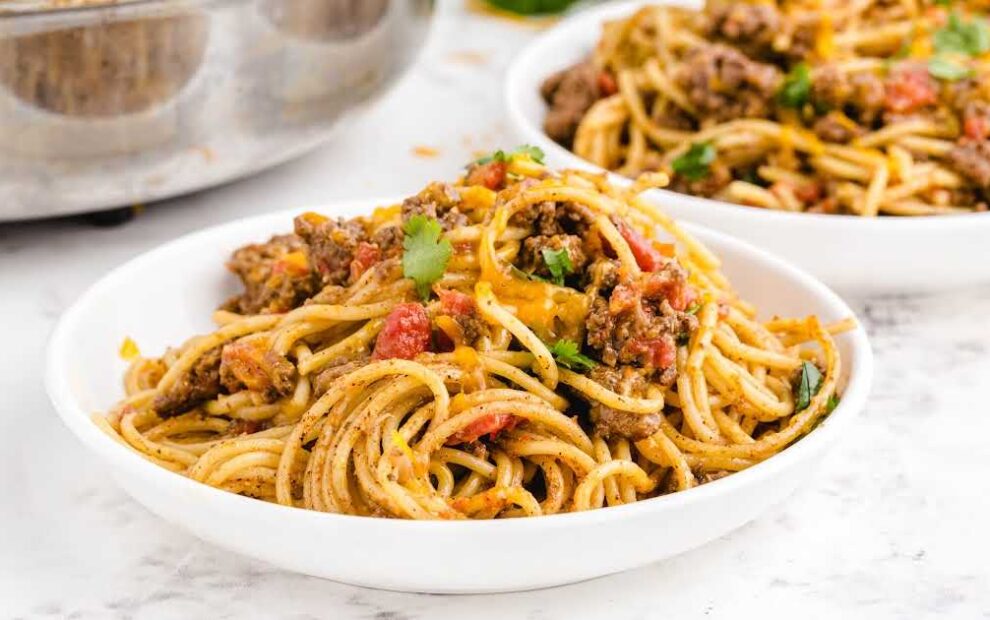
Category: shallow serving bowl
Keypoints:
(166, 295)
(851, 253)
(105, 103)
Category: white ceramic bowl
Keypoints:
(166, 295)
(854, 254)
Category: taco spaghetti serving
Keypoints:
(518, 343)
(858, 107)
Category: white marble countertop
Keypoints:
(894, 525)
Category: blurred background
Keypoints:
(112, 104)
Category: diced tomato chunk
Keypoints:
(677, 292)
(491, 174)
(976, 127)
(659, 352)
(366, 255)
(808, 193)
(456, 303)
(647, 257)
(246, 361)
(606, 84)
(405, 335)
(490, 425)
(909, 90)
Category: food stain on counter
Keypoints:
(425, 152)
(474, 58)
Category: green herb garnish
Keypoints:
(693, 165)
(796, 89)
(532, 7)
(959, 36)
(567, 354)
(945, 69)
(808, 383)
(559, 264)
(534, 152)
(833, 402)
(425, 254)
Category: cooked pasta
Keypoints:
(859, 107)
(521, 342)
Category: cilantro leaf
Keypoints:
(567, 354)
(693, 165)
(945, 69)
(522, 275)
(796, 89)
(959, 36)
(534, 152)
(808, 383)
(425, 254)
(833, 402)
(532, 7)
(559, 263)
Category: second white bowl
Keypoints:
(851, 253)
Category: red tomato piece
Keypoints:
(405, 335)
(976, 127)
(659, 352)
(455, 303)
(490, 425)
(366, 255)
(647, 257)
(909, 90)
(606, 84)
(491, 174)
(676, 292)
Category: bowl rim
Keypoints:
(40, 9)
(547, 44)
(118, 456)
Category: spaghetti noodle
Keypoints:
(853, 107)
(518, 343)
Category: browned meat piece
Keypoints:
(277, 276)
(603, 276)
(637, 323)
(803, 41)
(389, 240)
(972, 161)
(723, 84)
(836, 127)
(531, 256)
(249, 363)
(335, 370)
(247, 427)
(195, 386)
(569, 94)
(462, 309)
(719, 176)
(748, 27)
(332, 244)
(610, 422)
(549, 219)
(859, 95)
(675, 118)
(438, 201)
